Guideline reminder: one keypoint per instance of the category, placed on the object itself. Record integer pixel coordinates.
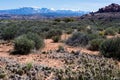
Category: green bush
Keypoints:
(29, 65)
(78, 39)
(102, 33)
(53, 33)
(2, 75)
(68, 20)
(69, 31)
(110, 31)
(45, 29)
(57, 20)
(56, 38)
(39, 43)
(118, 30)
(95, 36)
(95, 44)
(23, 45)
(8, 33)
(111, 48)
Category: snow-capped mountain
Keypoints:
(42, 11)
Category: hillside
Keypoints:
(108, 16)
(110, 8)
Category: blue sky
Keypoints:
(84, 5)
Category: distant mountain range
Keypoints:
(110, 11)
(42, 12)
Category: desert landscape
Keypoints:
(85, 47)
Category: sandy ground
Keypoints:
(36, 58)
(49, 45)
(110, 36)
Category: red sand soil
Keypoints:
(49, 45)
(36, 58)
(110, 36)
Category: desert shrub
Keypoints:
(53, 33)
(110, 31)
(39, 43)
(78, 39)
(111, 48)
(56, 38)
(23, 45)
(68, 20)
(2, 75)
(118, 30)
(8, 33)
(95, 44)
(69, 31)
(94, 36)
(45, 29)
(57, 20)
(61, 49)
(81, 28)
(29, 65)
(102, 33)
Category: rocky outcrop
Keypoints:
(110, 8)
